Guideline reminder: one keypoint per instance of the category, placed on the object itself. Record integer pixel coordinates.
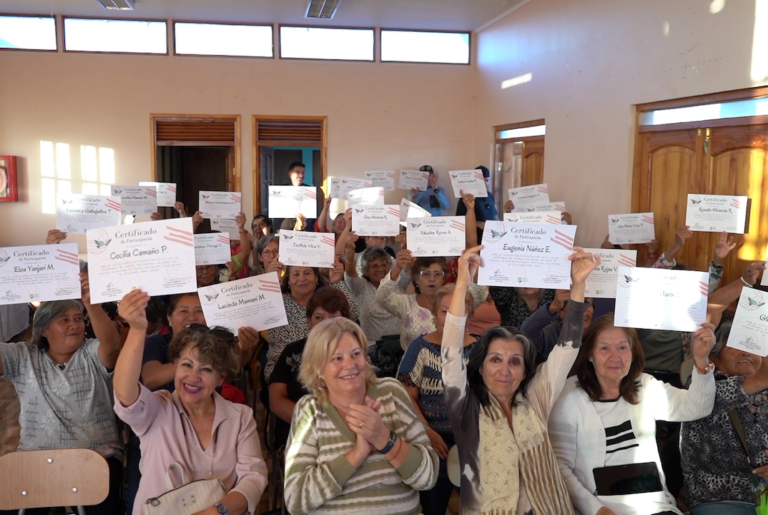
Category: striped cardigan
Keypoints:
(320, 479)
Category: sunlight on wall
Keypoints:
(516, 81)
(716, 6)
(760, 43)
(665, 28)
(752, 251)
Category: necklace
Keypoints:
(61, 366)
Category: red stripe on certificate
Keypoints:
(114, 206)
(425, 176)
(391, 174)
(560, 208)
(223, 239)
(183, 242)
(552, 220)
(735, 204)
(68, 260)
(67, 254)
(328, 242)
(270, 290)
(181, 237)
(171, 189)
(151, 193)
(235, 198)
(393, 211)
(310, 194)
(564, 244)
(648, 220)
(179, 231)
(563, 236)
(626, 262)
(542, 190)
(478, 175)
(457, 225)
(367, 184)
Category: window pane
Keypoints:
(28, 33)
(315, 43)
(425, 47)
(234, 40)
(523, 132)
(141, 37)
(699, 113)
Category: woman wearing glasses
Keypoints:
(267, 250)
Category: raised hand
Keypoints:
(606, 243)
(469, 199)
(197, 219)
(133, 309)
(404, 258)
(653, 248)
(723, 247)
(337, 272)
(179, 207)
(582, 264)
(567, 218)
(752, 272)
(240, 220)
(247, 338)
(558, 303)
(683, 233)
(703, 340)
(275, 266)
(414, 191)
(85, 288)
(469, 262)
(509, 206)
(55, 236)
(155, 216)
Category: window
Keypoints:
(522, 132)
(425, 47)
(698, 113)
(223, 39)
(321, 43)
(28, 33)
(124, 36)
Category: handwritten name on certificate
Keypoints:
(655, 298)
(301, 248)
(166, 192)
(212, 249)
(542, 217)
(341, 186)
(527, 255)
(539, 208)
(136, 200)
(631, 228)
(39, 273)
(220, 204)
(716, 213)
(289, 201)
(749, 331)
(601, 283)
(436, 236)
(253, 302)
(158, 257)
(366, 197)
(78, 213)
(529, 195)
(376, 220)
(410, 210)
(382, 178)
(413, 179)
(469, 181)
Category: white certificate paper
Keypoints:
(529, 195)
(601, 283)
(413, 179)
(220, 204)
(228, 226)
(631, 228)
(436, 236)
(749, 331)
(166, 192)
(539, 208)
(384, 179)
(158, 257)
(376, 220)
(78, 213)
(541, 217)
(527, 255)
(136, 200)
(341, 186)
(289, 201)
(410, 210)
(656, 298)
(39, 273)
(366, 197)
(470, 181)
(212, 249)
(253, 302)
(301, 248)
(716, 213)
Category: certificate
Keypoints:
(527, 255)
(655, 298)
(78, 213)
(601, 282)
(538, 208)
(749, 331)
(158, 257)
(39, 273)
(631, 228)
(366, 197)
(253, 302)
(540, 217)
(716, 213)
(136, 200)
(529, 195)
(166, 192)
(410, 210)
(384, 179)
(470, 181)
(436, 236)
(301, 248)
(228, 226)
(376, 220)
(289, 201)
(212, 249)
(410, 179)
(341, 186)
(220, 204)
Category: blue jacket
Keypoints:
(423, 200)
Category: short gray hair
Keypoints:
(47, 313)
(721, 338)
(266, 240)
(369, 254)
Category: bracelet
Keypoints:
(390, 443)
(745, 282)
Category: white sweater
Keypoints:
(578, 438)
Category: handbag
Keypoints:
(759, 488)
(186, 499)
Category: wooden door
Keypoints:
(532, 169)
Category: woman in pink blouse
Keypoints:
(210, 437)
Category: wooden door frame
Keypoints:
(256, 149)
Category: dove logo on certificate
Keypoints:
(78, 213)
(410, 179)
(601, 283)
(468, 181)
(376, 220)
(749, 331)
(366, 197)
(136, 200)
(39, 273)
(716, 213)
(301, 248)
(529, 195)
(158, 257)
(253, 302)
(383, 179)
(289, 201)
(341, 186)
(212, 249)
(655, 298)
(166, 192)
(542, 217)
(436, 236)
(631, 228)
(220, 204)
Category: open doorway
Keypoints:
(519, 156)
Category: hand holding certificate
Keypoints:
(166, 192)
(410, 179)
(529, 195)
(136, 200)
(749, 331)
(289, 201)
(716, 213)
(631, 228)
(376, 220)
(602, 281)
(212, 249)
(436, 236)
(220, 204)
(383, 179)
(253, 302)
(78, 213)
(39, 273)
(300, 248)
(468, 181)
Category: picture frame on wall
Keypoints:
(9, 191)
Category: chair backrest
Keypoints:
(60, 477)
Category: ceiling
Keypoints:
(406, 14)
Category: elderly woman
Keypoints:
(498, 404)
(356, 445)
(421, 373)
(603, 426)
(267, 250)
(63, 382)
(210, 437)
(719, 476)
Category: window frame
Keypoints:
(209, 22)
(385, 29)
(64, 35)
(55, 27)
(376, 43)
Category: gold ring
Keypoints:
(361, 425)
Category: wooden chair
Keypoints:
(61, 477)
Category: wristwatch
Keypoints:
(221, 508)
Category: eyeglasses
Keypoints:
(429, 273)
(270, 252)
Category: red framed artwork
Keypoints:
(9, 191)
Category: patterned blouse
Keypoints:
(513, 309)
